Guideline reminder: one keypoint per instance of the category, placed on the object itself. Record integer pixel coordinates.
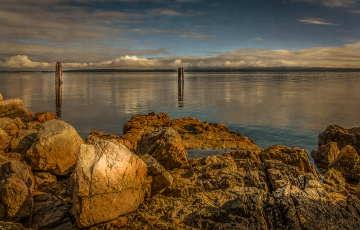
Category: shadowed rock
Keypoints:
(348, 163)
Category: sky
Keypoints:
(161, 34)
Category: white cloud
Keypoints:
(318, 21)
(22, 61)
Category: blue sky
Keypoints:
(190, 33)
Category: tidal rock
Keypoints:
(50, 213)
(13, 108)
(160, 177)
(42, 117)
(166, 146)
(16, 183)
(326, 154)
(342, 136)
(106, 183)
(348, 163)
(23, 141)
(11, 126)
(46, 182)
(4, 140)
(55, 148)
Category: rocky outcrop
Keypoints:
(50, 213)
(166, 146)
(16, 183)
(13, 108)
(4, 140)
(55, 148)
(43, 117)
(348, 163)
(160, 178)
(106, 183)
(11, 126)
(326, 154)
(342, 136)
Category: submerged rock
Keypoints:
(13, 108)
(106, 183)
(55, 148)
(166, 146)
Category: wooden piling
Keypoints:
(58, 73)
(58, 89)
(181, 83)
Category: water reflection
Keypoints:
(58, 100)
(181, 92)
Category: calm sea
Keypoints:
(286, 108)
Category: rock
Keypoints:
(50, 213)
(55, 148)
(295, 157)
(160, 177)
(16, 183)
(342, 136)
(326, 154)
(46, 182)
(195, 134)
(10, 226)
(11, 126)
(348, 163)
(1, 97)
(106, 183)
(42, 117)
(4, 140)
(357, 191)
(166, 146)
(23, 141)
(13, 108)
(334, 177)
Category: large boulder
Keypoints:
(166, 146)
(106, 183)
(325, 154)
(11, 126)
(16, 183)
(4, 140)
(50, 212)
(342, 136)
(13, 108)
(348, 163)
(55, 148)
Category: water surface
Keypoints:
(287, 108)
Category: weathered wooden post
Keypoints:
(58, 89)
(58, 73)
(181, 83)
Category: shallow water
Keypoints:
(271, 108)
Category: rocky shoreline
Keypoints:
(50, 178)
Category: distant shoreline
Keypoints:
(265, 69)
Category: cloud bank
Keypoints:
(346, 56)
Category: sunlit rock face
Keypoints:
(13, 108)
(55, 148)
(107, 182)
